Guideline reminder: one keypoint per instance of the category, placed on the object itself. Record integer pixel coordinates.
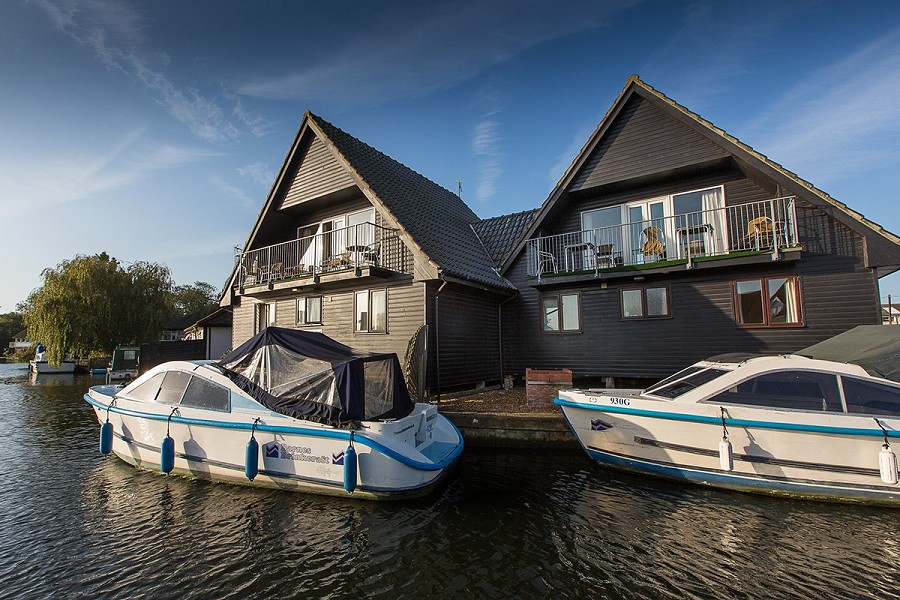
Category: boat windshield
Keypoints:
(686, 384)
(679, 375)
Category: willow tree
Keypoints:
(89, 304)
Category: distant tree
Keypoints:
(89, 304)
(199, 297)
(11, 323)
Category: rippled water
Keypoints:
(536, 525)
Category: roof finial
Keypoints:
(459, 188)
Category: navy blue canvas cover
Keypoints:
(308, 375)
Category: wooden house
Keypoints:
(668, 240)
(356, 245)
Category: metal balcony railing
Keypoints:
(363, 245)
(753, 227)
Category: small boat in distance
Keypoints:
(287, 409)
(124, 363)
(40, 366)
(787, 424)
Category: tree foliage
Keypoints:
(89, 304)
(197, 298)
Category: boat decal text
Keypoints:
(620, 401)
(295, 453)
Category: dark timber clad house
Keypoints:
(354, 244)
(666, 241)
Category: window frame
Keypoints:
(305, 301)
(644, 316)
(766, 308)
(559, 320)
(369, 320)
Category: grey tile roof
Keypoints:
(436, 219)
(499, 234)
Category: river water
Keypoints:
(534, 525)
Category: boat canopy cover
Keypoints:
(876, 348)
(308, 375)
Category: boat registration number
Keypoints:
(616, 401)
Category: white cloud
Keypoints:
(842, 120)
(259, 173)
(113, 31)
(422, 48)
(246, 200)
(486, 147)
(29, 183)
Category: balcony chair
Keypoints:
(543, 259)
(606, 256)
(652, 245)
(763, 232)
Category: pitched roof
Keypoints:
(634, 85)
(499, 234)
(435, 219)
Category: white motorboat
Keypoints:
(287, 409)
(41, 366)
(786, 424)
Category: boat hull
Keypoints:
(42, 367)
(774, 452)
(292, 454)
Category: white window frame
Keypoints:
(305, 303)
(369, 304)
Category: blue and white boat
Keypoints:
(39, 365)
(287, 409)
(786, 424)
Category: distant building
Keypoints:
(890, 314)
(20, 341)
(215, 330)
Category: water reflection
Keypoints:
(507, 526)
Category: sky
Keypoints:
(154, 130)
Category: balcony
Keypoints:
(683, 239)
(353, 251)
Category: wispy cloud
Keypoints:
(486, 146)
(216, 244)
(232, 191)
(843, 119)
(25, 185)
(113, 31)
(422, 48)
(709, 49)
(259, 173)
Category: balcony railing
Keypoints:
(363, 245)
(754, 227)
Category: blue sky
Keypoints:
(154, 130)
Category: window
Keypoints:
(147, 390)
(871, 398)
(264, 315)
(685, 385)
(172, 388)
(202, 393)
(562, 312)
(370, 311)
(646, 303)
(770, 302)
(797, 390)
(309, 310)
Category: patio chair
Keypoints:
(762, 232)
(652, 245)
(544, 259)
(605, 255)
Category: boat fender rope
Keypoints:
(885, 433)
(109, 406)
(724, 429)
(169, 420)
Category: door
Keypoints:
(647, 238)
